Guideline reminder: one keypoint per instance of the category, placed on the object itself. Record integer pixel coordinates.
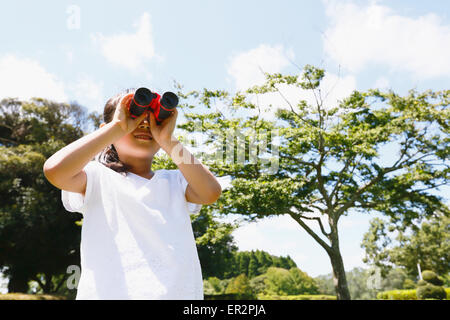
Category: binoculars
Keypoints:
(144, 100)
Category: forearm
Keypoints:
(199, 178)
(71, 159)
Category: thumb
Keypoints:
(139, 119)
(152, 120)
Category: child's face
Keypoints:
(131, 145)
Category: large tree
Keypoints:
(38, 239)
(310, 138)
(427, 245)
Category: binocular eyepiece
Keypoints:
(144, 100)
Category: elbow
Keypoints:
(214, 194)
(46, 169)
(49, 172)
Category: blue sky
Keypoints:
(89, 50)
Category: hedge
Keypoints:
(296, 297)
(403, 294)
(228, 296)
(232, 296)
(23, 296)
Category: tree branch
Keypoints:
(320, 184)
(322, 243)
(8, 140)
(320, 224)
(347, 163)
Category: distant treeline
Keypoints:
(254, 263)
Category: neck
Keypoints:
(140, 167)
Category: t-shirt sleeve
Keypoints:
(76, 202)
(191, 207)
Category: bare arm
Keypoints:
(70, 160)
(64, 168)
(203, 187)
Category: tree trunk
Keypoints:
(17, 283)
(339, 277)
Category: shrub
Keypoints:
(296, 297)
(421, 283)
(431, 291)
(23, 296)
(408, 295)
(241, 286)
(397, 295)
(431, 277)
(409, 284)
(229, 296)
(430, 287)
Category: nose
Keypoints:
(144, 124)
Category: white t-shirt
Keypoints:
(136, 240)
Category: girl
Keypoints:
(136, 240)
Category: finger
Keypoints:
(141, 117)
(171, 117)
(125, 101)
(152, 120)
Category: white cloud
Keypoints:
(374, 34)
(25, 78)
(247, 68)
(332, 89)
(88, 92)
(382, 83)
(129, 50)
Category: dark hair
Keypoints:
(109, 156)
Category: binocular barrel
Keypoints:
(145, 100)
(141, 102)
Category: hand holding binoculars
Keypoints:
(144, 100)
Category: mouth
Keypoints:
(143, 137)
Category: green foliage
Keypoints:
(214, 285)
(397, 295)
(429, 245)
(21, 296)
(431, 277)
(215, 245)
(430, 291)
(280, 281)
(38, 238)
(256, 262)
(227, 296)
(241, 286)
(311, 136)
(258, 283)
(446, 279)
(410, 294)
(430, 287)
(358, 283)
(421, 283)
(276, 281)
(409, 284)
(296, 297)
